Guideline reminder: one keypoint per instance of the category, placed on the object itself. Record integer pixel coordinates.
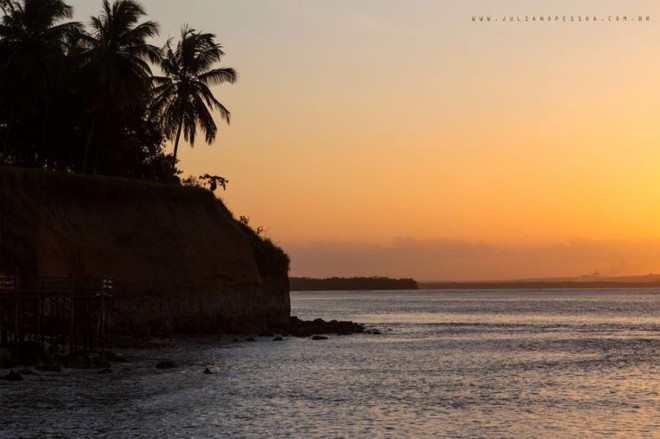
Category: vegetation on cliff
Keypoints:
(272, 261)
(84, 99)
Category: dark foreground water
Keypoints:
(476, 364)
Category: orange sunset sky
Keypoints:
(394, 137)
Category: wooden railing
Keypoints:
(62, 314)
(7, 284)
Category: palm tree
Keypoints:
(32, 55)
(32, 40)
(117, 62)
(182, 98)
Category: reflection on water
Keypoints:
(448, 364)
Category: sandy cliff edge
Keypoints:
(179, 260)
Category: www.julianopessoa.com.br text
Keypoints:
(561, 18)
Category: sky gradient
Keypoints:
(393, 137)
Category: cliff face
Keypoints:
(179, 260)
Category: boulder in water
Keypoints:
(305, 328)
(99, 360)
(114, 357)
(166, 364)
(13, 376)
(77, 360)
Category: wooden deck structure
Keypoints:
(63, 315)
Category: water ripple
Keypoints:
(460, 365)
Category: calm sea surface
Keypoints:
(549, 364)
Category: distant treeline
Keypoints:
(351, 283)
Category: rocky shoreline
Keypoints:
(17, 364)
(306, 328)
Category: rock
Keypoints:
(101, 363)
(166, 364)
(235, 340)
(12, 376)
(77, 360)
(99, 360)
(250, 339)
(26, 372)
(207, 371)
(115, 357)
(49, 368)
(105, 371)
(302, 328)
(278, 338)
(6, 359)
(319, 337)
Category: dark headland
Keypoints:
(180, 262)
(99, 232)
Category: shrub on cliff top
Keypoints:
(271, 259)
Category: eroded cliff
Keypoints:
(179, 260)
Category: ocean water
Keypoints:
(459, 364)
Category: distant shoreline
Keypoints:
(388, 284)
(351, 284)
(533, 285)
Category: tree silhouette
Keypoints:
(214, 180)
(116, 62)
(182, 99)
(32, 56)
(82, 99)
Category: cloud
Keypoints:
(464, 260)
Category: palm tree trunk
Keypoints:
(176, 145)
(90, 134)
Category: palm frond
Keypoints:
(219, 76)
(204, 119)
(185, 99)
(118, 59)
